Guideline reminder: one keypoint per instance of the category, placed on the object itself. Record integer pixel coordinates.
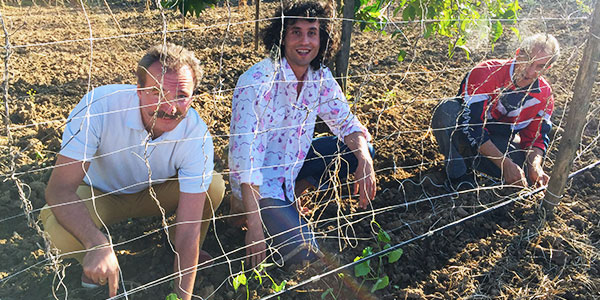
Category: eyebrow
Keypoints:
(294, 26)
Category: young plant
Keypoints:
(368, 272)
(262, 268)
(259, 274)
(241, 279)
(172, 296)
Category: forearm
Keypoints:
(357, 142)
(75, 218)
(491, 152)
(250, 198)
(187, 241)
(535, 158)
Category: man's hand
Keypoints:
(366, 183)
(255, 236)
(513, 174)
(537, 176)
(255, 245)
(101, 266)
(535, 170)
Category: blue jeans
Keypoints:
(287, 230)
(458, 153)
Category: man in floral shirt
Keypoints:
(272, 154)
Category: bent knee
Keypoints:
(216, 190)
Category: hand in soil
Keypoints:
(101, 266)
(255, 245)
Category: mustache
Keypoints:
(163, 115)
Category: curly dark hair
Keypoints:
(310, 11)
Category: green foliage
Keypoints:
(380, 283)
(31, 94)
(371, 15)
(259, 274)
(192, 7)
(456, 19)
(172, 296)
(238, 280)
(583, 6)
(368, 272)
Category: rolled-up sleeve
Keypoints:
(537, 133)
(334, 109)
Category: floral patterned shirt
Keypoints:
(272, 126)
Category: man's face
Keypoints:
(529, 67)
(164, 105)
(301, 43)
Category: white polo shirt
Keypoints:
(106, 129)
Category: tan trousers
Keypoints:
(115, 208)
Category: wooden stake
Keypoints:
(578, 108)
(256, 27)
(342, 58)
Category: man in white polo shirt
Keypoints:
(134, 151)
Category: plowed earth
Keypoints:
(513, 252)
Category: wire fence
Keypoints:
(55, 54)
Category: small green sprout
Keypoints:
(375, 273)
(172, 296)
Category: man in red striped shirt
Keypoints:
(500, 120)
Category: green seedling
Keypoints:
(368, 272)
(241, 279)
(259, 274)
(172, 296)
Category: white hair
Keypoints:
(542, 42)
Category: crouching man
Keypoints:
(135, 151)
(273, 157)
(500, 120)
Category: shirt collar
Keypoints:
(287, 72)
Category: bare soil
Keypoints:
(512, 252)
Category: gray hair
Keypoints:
(543, 42)
(172, 57)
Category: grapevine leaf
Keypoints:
(380, 283)
(383, 236)
(394, 255)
